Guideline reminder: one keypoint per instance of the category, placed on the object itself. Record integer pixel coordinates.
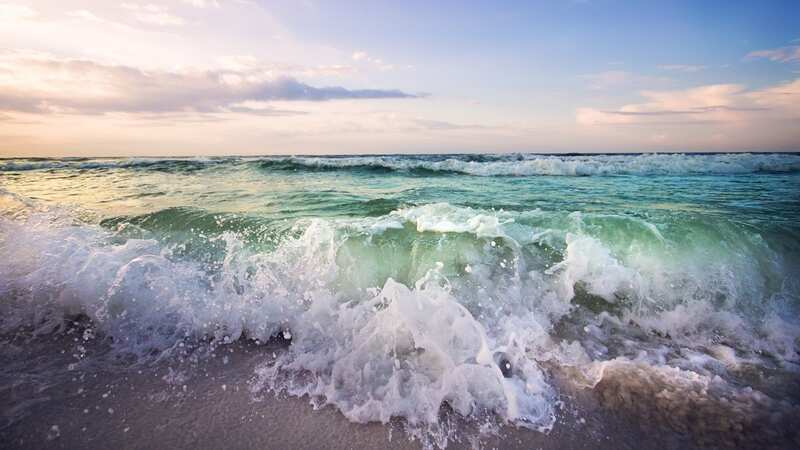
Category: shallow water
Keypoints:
(667, 285)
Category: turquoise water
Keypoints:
(406, 282)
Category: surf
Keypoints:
(399, 308)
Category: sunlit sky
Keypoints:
(192, 77)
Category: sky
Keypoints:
(238, 77)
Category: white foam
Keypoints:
(489, 165)
(405, 352)
(583, 165)
(444, 218)
(375, 347)
(588, 261)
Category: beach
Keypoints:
(210, 404)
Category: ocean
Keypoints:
(416, 288)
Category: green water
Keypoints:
(656, 258)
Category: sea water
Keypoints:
(668, 282)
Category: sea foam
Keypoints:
(380, 329)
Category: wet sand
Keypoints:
(47, 402)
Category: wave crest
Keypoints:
(520, 165)
(396, 315)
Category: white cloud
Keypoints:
(202, 3)
(689, 68)
(42, 83)
(783, 54)
(85, 15)
(719, 103)
(105, 31)
(153, 14)
(13, 12)
(249, 63)
(364, 57)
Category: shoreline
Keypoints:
(207, 403)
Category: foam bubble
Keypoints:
(405, 352)
(400, 314)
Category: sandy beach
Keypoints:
(80, 400)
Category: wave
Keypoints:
(520, 165)
(535, 165)
(396, 315)
(157, 164)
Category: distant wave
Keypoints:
(533, 165)
(521, 165)
(165, 164)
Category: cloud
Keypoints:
(783, 54)
(441, 125)
(251, 64)
(718, 103)
(689, 68)
(172, 119)
(363, 57)
(202, 3)
(153, 14)
(13, 12)
(261, 108)
(41, 83)
(86, 15)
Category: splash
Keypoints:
(425, 307)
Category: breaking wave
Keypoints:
(520, 165)
(533, 165)
(397, 315)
